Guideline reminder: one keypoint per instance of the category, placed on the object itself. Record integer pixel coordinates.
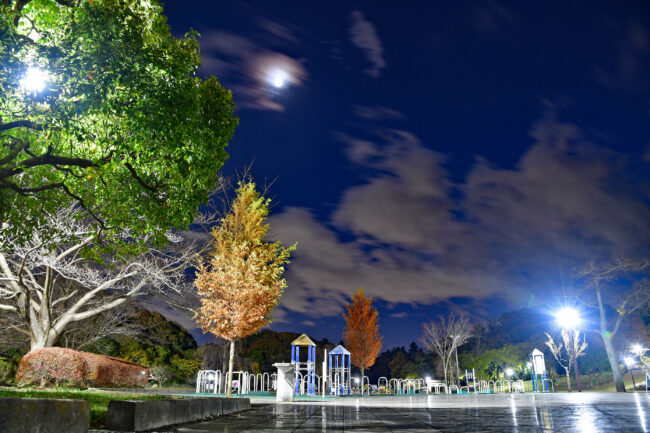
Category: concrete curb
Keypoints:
(43, 415)
(142, 415)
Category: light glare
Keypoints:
(509, 372)
(629, 361)
(34, 80)
(278, 77)
(568, 318)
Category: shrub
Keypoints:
(58, 366)
(7, 370)
(106, 371)
(161, 374)
(52, 366)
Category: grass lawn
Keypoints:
(98, 399)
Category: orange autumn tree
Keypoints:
(361, 334)
(241, 282)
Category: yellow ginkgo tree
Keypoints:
(241, 281)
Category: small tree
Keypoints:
(606, 284)
(361, 334)
(241, 282)
(573, 348)
(445, 336)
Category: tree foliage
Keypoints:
(361, 334)
(241, 281)
(124, 127)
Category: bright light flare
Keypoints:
(34, 81)
(629, 361)
(510, 372)
(637, 349)
(278, 78)
(568, 318)
(356, 380)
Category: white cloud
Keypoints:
(248, 64)
(521, 230)
(376, 112)
(364, 36)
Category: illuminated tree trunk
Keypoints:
(230, 367)
(568, 378)
(609, 347)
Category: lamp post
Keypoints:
(569, 319)
(629, 362)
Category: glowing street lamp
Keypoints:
(569, 319)
(637, 349)
(34, 81)
(510, 372)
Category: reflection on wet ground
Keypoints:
(586, 413)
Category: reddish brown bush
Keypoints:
(52, 366)
(57, 366)
(107, 371)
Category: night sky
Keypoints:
(445, 156)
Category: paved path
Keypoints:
(522, 413)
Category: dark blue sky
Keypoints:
(461, 156)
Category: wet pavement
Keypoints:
(561, 412)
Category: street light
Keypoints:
(629, 362)
(509, 372)
(569, 319)
(34, 81)
(637, 349)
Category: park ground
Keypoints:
(589, 412)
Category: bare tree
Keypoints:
(605, 284)
(445, 336)
(94, 331)
(573, 348)
(49, 284)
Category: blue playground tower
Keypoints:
(340, 371)
(306, 370)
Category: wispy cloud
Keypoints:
(364, 36)
(510, 233)
(376, 112)
(247, 65)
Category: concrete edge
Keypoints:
(44, 415)
(143, 415)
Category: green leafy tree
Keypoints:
(122, 125)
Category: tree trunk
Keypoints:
(613, 363)
(568, 379)
(43, 340)
(606, 335)
(230, 366)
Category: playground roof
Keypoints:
(303, 340)
(339, 350)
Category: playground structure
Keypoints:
(540, 381)
(305, 370)
(339, 371)
(336, 379)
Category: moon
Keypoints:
(278, 77)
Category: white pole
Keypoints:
(325, 372)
